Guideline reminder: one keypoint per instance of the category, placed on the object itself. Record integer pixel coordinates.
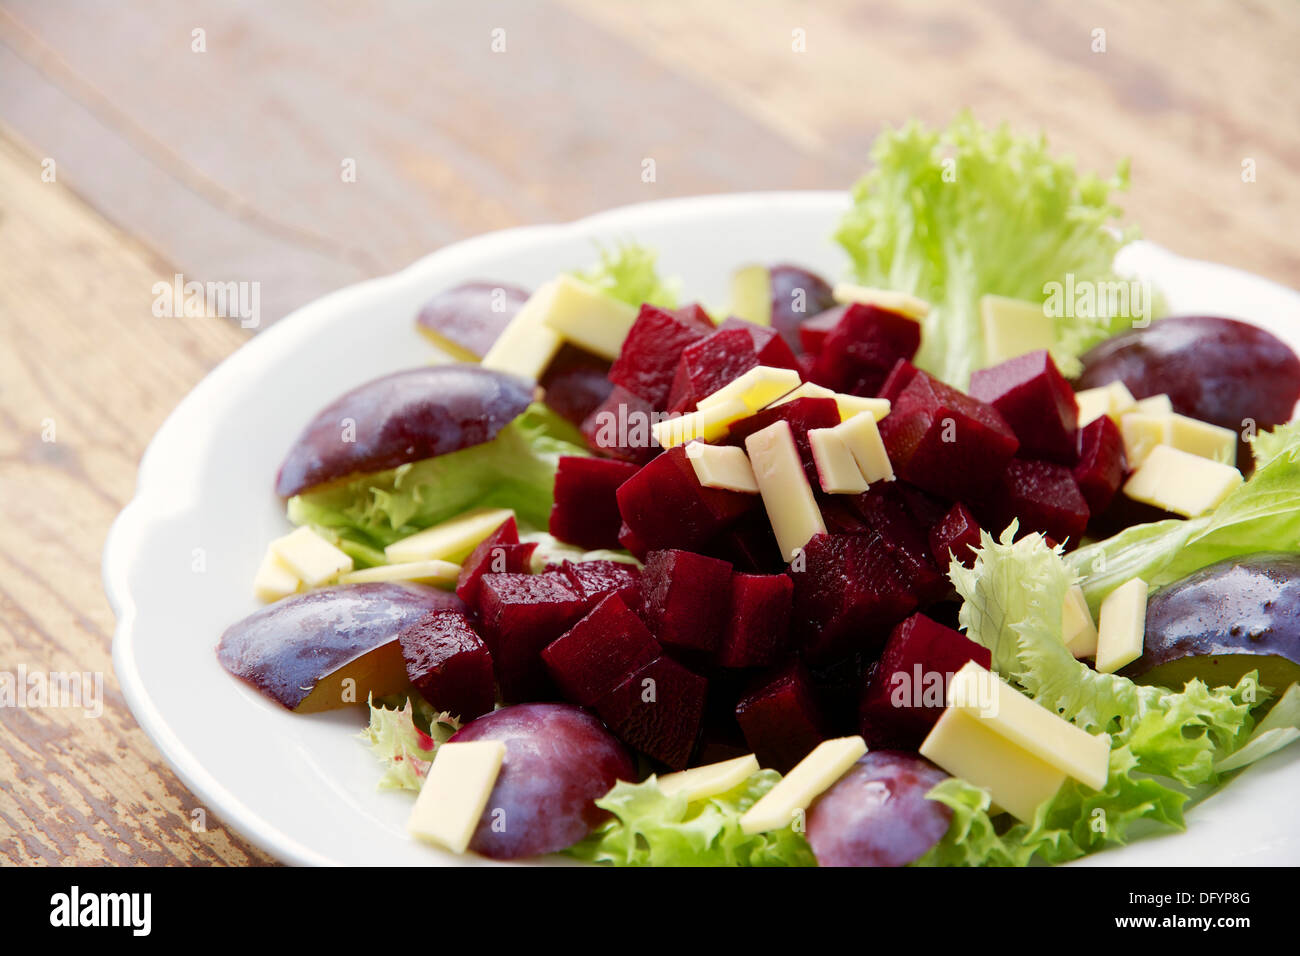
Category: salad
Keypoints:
(970, 558)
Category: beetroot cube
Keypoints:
(1101, 466)
(684, 599)
(658, 710)
(651, 351)
(520, 615)
(953, 538)
(489, 556)
(806, 363)
(756, 633)
(749, 544)
(803, 414)
(620, 427)
(944, 442)
(772, 350)
(899, 377)
(448, 663)
(797, 293)
(906, 691)
(694, 314)
(847, 595)
(884, 510)
(628, 541)
(813, 332)
(860, 350)
(1036, 401)
(709, 364)
(1044, 496)
(576, 383)
(665, 506)
(585, 511)
(781, 720)
(840, 517)
(599, 652)
(594, 580)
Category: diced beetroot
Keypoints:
(884, 510)
(840, 517)
(944, 442)
(847, 595)
(749, 544)
(1101, 466)
(520, 615)
(651, 351)
(1036, 401)
(585, 511)
(899, 377)
(838, 689)
(803, 414)
(709, 364)
(813, 331)
(1044, 496)
(657, 710)
(449, 664)
(757, 628)
(806, 363)
(576, 383)
(926, 510)
(665, 506)
(954, 537)
(488, 557)
(599, 652)
(628, 541)
(772, 350)
(781, 720)
(693, 314)
(797, 294)
(593, 580)
(905, 691)
(620, 427)
(684, 599)
(859, 352)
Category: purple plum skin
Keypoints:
(877, 814)
(403, 417)
(786, 279)
(464, 315)
(285, 649)
(559, 761)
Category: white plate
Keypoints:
(301, 787)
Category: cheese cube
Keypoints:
(452, 540)
(455, 793)
(1143, 431)
(791, 507)
(527, 344)
(756, 388)
(1181, 482)
(904, 303)
(274, 579)
(1154, 405)
(1077, 628)
(849, 405)
(983, 695)
(311, 557)
(1114, 400)
(706, 424)
(1013, 327)
(837, 470)
(1122, 624)
(1203, 439)
(809, 779)
(709, 780)
(1015, 779)
(722, 466)
(587, 317)
(751, 294)
(440, 573)
(863, 439)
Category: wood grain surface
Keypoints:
(229, 164)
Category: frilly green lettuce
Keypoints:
(404, 738)
(627, 273)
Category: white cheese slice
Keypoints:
(709, 780)
(891, 300)
(790, 799)
(1114, 400)
(751, 294)
(863, 439)
(722, 466)
(1015, 779)
(1203, 439)
(452, 540)
(706, 424)
(1181, 482)
(1077, 627)
(1154, 405)
(1122, 624)
(456, 792)
(274, 579)
(1142, 432)
(587, 317)
(311, 557)
(983, 695)
(1013, 327)
(837, 470)
(849, 405)
(791, 507)
(441, 573)
(527, 344)
(757, 388)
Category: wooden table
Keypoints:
(228, 163)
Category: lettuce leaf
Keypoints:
(627, 273)
(651, 829)
(514, 470)
(404, 738)
(551, 550)
(954, 214)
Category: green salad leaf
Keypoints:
(950, 215)
(627, 272)
(551, 550)
(405, 737)
(514, 470)
(651, 829)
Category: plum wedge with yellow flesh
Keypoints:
(466, 319)
(301, 651)
(403, 417)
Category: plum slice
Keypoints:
(653, 347)
(585, 509)
(861, 349)
(599, 652)
(797, 294)
(1101, 465)
(877, 813)
(448, 663)
(781, 719)
(466, 319)
(403, 417)
(684, 599)
(665, 506)
(576, 383)
(301, 650)
(658, 710)
(1036, 401)
(559, 761)
(520, 615)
